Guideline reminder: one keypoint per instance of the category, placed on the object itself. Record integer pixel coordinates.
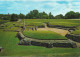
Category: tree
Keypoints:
(77, 15)
(70, 15)
(43, 15)
(60, 16)
(33, 15)
(21, 16)
(5, 16)
(51, 16)
(1, 16)
(14, 17)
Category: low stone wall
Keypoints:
(45, 43)
(41, 44)
(71, 29)
(61, 27)
(73, 37)
(10, 30)
(41, 26)
(63, 45)
(20, 36)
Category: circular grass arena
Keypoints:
(44, 35)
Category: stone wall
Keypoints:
(63, 45)
(73, 37)
(41, 26)
(45, 43)
(61, 27)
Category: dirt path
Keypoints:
(59, 31)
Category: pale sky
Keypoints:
(25, 6)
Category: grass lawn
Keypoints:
(77, 32)
(43, 35)
(3, 21)
(63, 22)
(9, 42)
(40, 22)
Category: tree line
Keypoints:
(35, 14)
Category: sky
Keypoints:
(25, 6)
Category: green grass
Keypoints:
(10, 43)
(43, 35)
(40, 22)
(10, 26)
(63, 22)
(11, 48)
(77, 32)
(3, 21)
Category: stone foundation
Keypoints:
(73, 37)
(61, 27)
(45, 43)
(41, 26)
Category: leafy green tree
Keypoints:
(5, 16)
(51, 16)
(70, 15)
(33, 15)
(60, 16)
(14, 17)
(77, 15)
(1, 16)
(21, 16)
(43, 15)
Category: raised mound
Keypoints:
(43, 35)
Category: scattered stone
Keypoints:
(29, 29)
(1, 49)
(35, 28)
(32, 29)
